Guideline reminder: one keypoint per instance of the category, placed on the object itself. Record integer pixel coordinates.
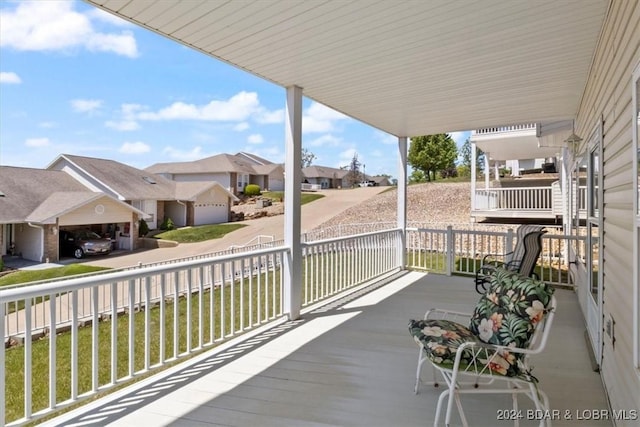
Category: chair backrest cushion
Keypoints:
(510, 310)
(523, 230)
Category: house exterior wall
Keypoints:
(3, 245)
(29, 242)
(101, 211)
(608, 100)
(177, 213)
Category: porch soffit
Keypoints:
(408, 68)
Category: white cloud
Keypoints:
(324, 141)
(237, 108)
(55, 26)
(47, 125)
(181, 155)
(37, 142)
(10, 78)
(264, 116)
(256, 138)
(128, 118)
(137, 147)
(101, 15)
(86, 105)
(319, 118)
(242, 126)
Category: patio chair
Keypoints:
(522, 259)
(511, 322)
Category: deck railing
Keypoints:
(124, 324)
(525, 199)
(502, 129)
(461, 251)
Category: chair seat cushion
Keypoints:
(440, 340)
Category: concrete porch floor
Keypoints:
(351, 363)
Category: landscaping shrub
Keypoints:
(252, 190)
(167, 224)
(143, 228)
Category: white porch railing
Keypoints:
(334, 265)
(516, 199)
(502, 129)
(123, 324)
(526, 199)
(461, 251)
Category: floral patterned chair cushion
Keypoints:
(506, 315)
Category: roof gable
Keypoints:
(122, 181)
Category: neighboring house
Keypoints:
(382, 181)
(273, 171)
(160, 198)
(325, 176)
(35, 204)
(233, 172)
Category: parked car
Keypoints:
(79, 243)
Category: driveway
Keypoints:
(313, 214)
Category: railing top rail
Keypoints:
(7, 295)
(513, 188)
(353, 236)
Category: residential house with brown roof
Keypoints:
(35, 204)
(189, 203)
(233, 172)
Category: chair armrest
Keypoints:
(487, 258)
(454, 316)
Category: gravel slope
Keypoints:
(430, 203)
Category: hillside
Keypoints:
(430, 203)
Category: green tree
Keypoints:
(417, 176)
(307, 158)
(432, 153)
(465, 157)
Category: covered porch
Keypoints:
(350, 361)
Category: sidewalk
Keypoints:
(313, 214)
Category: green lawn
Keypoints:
(305, 197)
(14, 365)
(199, 233)
(24, 276)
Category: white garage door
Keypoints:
(210, 213)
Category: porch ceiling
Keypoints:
(408, 68)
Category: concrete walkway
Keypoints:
(313, 214)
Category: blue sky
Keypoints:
(76, 80)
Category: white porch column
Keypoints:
(292, 224)
(486, 171)
(474, 166)
(402, 198)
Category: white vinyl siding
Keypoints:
(101, 211)
(635, 148)
(607, 98)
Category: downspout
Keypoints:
(41, 228)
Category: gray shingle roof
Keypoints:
(324, 172)
(26, 188)
(215, 164)
(129, 182)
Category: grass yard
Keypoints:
(199, 233)
(219, 330)
(305, 197)
(25, 276)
